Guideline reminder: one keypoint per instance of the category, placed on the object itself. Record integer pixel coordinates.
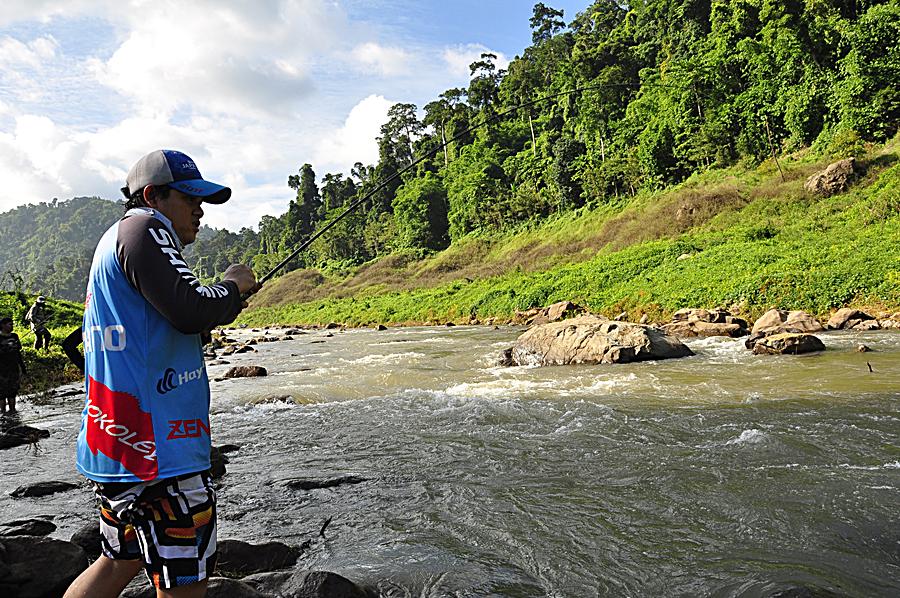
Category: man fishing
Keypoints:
(144, 441)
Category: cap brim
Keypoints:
(210, 192)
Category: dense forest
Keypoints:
(641, 95)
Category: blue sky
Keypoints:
(251, 90)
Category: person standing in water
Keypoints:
(38, 316)
(12, 366)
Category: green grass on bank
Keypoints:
(46, 369)
(744, 239)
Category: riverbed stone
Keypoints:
(788, 343)
(312, 484)
(237, 558)
(88, 538)
(846, 318)
(38, 567)
(777, 321)
(591, 339)
(42, 489)
(307, 584)
(28, 527)
(246, 371)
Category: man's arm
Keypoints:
(70, 348)
(155, 267)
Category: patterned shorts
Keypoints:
(169, 523)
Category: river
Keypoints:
(722, 474)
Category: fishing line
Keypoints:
(431, 153)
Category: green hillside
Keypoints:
(745, 239)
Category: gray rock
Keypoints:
(778, 321)
(834, 179)
(237, 558)
(326, 483)
(42, 489)
(788, 343)
(846, 318)
(27, 527)
(88, 538)
(20, 435)
(307, 584)
(246, 371)
(593, 340)
(38, 567)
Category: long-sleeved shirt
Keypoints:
(147, 410)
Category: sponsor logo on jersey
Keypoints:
(117, 427)
(187, 428)
(168, 246)
(170, 381)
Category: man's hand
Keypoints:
(243, 277)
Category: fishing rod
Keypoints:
(431, 153)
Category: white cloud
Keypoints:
(15, 54)
(387, 61)
(355, 140)
(458, 58)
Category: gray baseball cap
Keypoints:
(176, 170)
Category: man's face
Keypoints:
(185, 213)
(6, 327)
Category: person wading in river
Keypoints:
(11, 364)
(144, 440)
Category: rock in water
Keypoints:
(246, 371)
(237, 558)
(19, 435)
(308, 584)
(591, 340)
(38, 567)
(27, 527)
(42, 489)
(788, 344)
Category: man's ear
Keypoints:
(150, 197)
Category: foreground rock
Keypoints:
(326, 483)
(38, 567)
(28, 527)
(704, 322)
(593, 340)
(42, 489)
(88, 538)
(834, 179)
(237, 558)
(307, 584)
(218, 587)
(21, 435)
(788, 344)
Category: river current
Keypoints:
(722, 474)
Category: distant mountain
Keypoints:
(47, 247)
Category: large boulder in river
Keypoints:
(38, 567)
(834, 179)
(846, 318)
(42, 489)
(706, 322)
(777, 321)
(788, 344)
(591, 340)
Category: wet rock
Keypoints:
(867, 325)
(21, 435)
(692, 322)
(307, 584)
(834, 179)
(245, 349)
(38, 567)
(324, 483)
(217, 461)
(788, 343)
(229, 448)
(88, 538)
(293, 332)
(42, 489)
(506, 358)
(863, 349)
(246, 371)
(332, 325)
(594, 340)
(27, 527)
(778, 321)
(381, 327)
(237, 558)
